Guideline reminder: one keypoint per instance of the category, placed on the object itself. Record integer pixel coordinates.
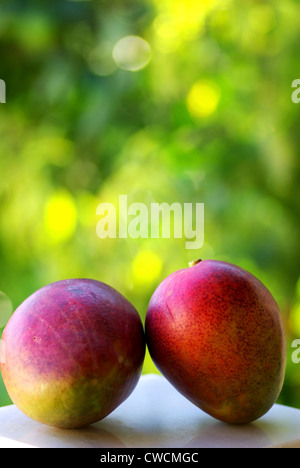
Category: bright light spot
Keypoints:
(6, 309)
(146, 267)
(132, 53)
(203, 99)
(179, 21)
(168, 37)
(60, 216)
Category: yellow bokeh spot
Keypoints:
(168, 37)
(179, 21)
(146, 267)
(60, 216)
(203, 99)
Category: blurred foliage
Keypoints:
(194, 107)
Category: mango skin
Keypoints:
(73, 352)
(216, 333)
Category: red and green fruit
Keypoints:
(73, 351)
(216, 333)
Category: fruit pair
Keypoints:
(74, 350)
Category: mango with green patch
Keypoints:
(72, 352)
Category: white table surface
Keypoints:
(155, 415)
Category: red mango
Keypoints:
(216, 333)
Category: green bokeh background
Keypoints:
(208, 120)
